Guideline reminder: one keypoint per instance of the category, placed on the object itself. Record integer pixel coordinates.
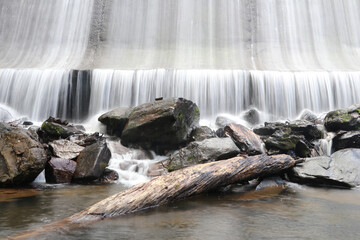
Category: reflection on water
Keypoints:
(295, 212)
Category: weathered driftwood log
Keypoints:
(177, 185)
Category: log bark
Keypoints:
(177, 185)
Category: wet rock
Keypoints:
(220, 133)
(347, 119)
(22, 157)
(27, 123)
(65, 149)
(109, 176)
(202, 133)
(346, 140)
(161, 125)
(245, 139)
(222, 121)
(59, 170)
(209, 150)
(115, 120)
(252, 116)
(270, 182)
(85, 140)
(341, 169)
(158, 169)
(54, 129)
(308, 116)
(92, 161)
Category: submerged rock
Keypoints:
(22, 157)
(109, 176)
(209, 150)
(202, 133)
(245, 139)
(59, 170)
(92, 161)
(161, 125)
(341, 169)
(270, 182)
(116, 120)
(347, 119)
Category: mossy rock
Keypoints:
(347, 119)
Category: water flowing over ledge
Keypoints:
(76, 94)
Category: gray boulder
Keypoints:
(344, 140)
(59, 170)
(116, 120)
(209, 150)
(245, 139)
(65, 149)
(92, 162)
(202, 133)
(22, 156)
(161, 125)
(222, 121)
(347, 119)
(341, 169)
(252, 116)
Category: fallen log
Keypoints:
(174, 186)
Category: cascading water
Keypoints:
(279, 56)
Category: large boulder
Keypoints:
(59, 170)
(92, 162)
(208, 150)
(65, 149)
(161, 125)
(22, 157)
(252, 116)
(341, 169)
(115, 120)
(344, 140)
(347, 119)
(245, 139)
(54, 128)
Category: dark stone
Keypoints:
(341, 169)
(245, 139)
(59, 170)
(202, 133)
(27, 123)
(271, 182)
(208, 150)
(252, 116)
(346, 140)
(220, 133)
(347, 119)
(109, 176)
(161, 125)
(54, 129)
(115, 120)
(22, 157)
(65, 149)
(85, 140)
(92, 162)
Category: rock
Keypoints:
(115, 120)
(209, 150)
(5, 114)
(65, 149)
(92, 161)
(220, 133)
(161, 125)
(222, 121)
(252, 116)
(270, 182)
(202, 133)
(54, 129)
(347, 119)
(245, 139)
(85, 140)
(346, 140)
(158, 169)
(341, 169)
(27, 123)
(109, 176)
(308, 116)
(22, 157)
(59, 170)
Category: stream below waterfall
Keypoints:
(298, 212)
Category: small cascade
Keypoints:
(132, 165)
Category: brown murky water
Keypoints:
(294, 213)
